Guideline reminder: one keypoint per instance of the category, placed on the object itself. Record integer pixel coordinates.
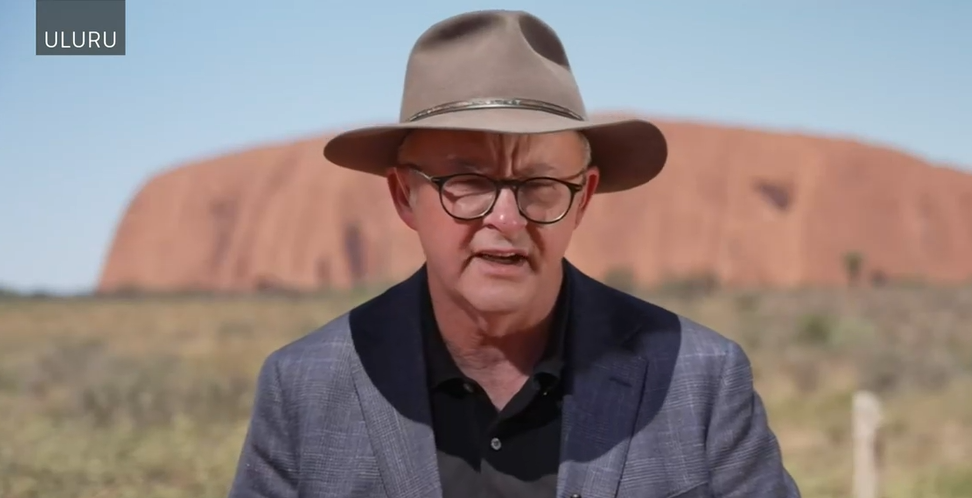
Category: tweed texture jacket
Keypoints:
(657, 406)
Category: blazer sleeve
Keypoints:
(744, 455)
(267, 465)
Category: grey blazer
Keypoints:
(657, 407)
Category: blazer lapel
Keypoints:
(390, 381)
(606, 386)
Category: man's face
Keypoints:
(500, 261)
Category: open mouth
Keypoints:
(503, 259)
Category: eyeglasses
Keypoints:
(469, 196)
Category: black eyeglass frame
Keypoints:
(513, 184)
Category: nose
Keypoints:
(505, 216)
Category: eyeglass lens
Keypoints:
(540, 200)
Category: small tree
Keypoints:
(853, 263)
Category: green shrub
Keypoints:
(621, 278)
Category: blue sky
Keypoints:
(80, 135)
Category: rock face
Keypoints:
(749, 208)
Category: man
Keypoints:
(498, 369)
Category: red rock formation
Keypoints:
(748, 207)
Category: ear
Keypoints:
(399, 189)
(593, 178)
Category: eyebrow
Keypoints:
(530, 170)
(466, 165)
(540, 169)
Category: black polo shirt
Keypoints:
(513, 453)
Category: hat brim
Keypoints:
(629, 152)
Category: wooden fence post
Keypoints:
(867, 419)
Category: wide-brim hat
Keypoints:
(504, 72)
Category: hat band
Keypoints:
(470, 105)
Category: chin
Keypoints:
(498, 297)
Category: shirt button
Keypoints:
(468, 387)
(575, 495)
(495, 444)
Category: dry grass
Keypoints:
(149, 397)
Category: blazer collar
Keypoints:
(390, 379)
(607, 376)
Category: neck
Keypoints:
(495, 345)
